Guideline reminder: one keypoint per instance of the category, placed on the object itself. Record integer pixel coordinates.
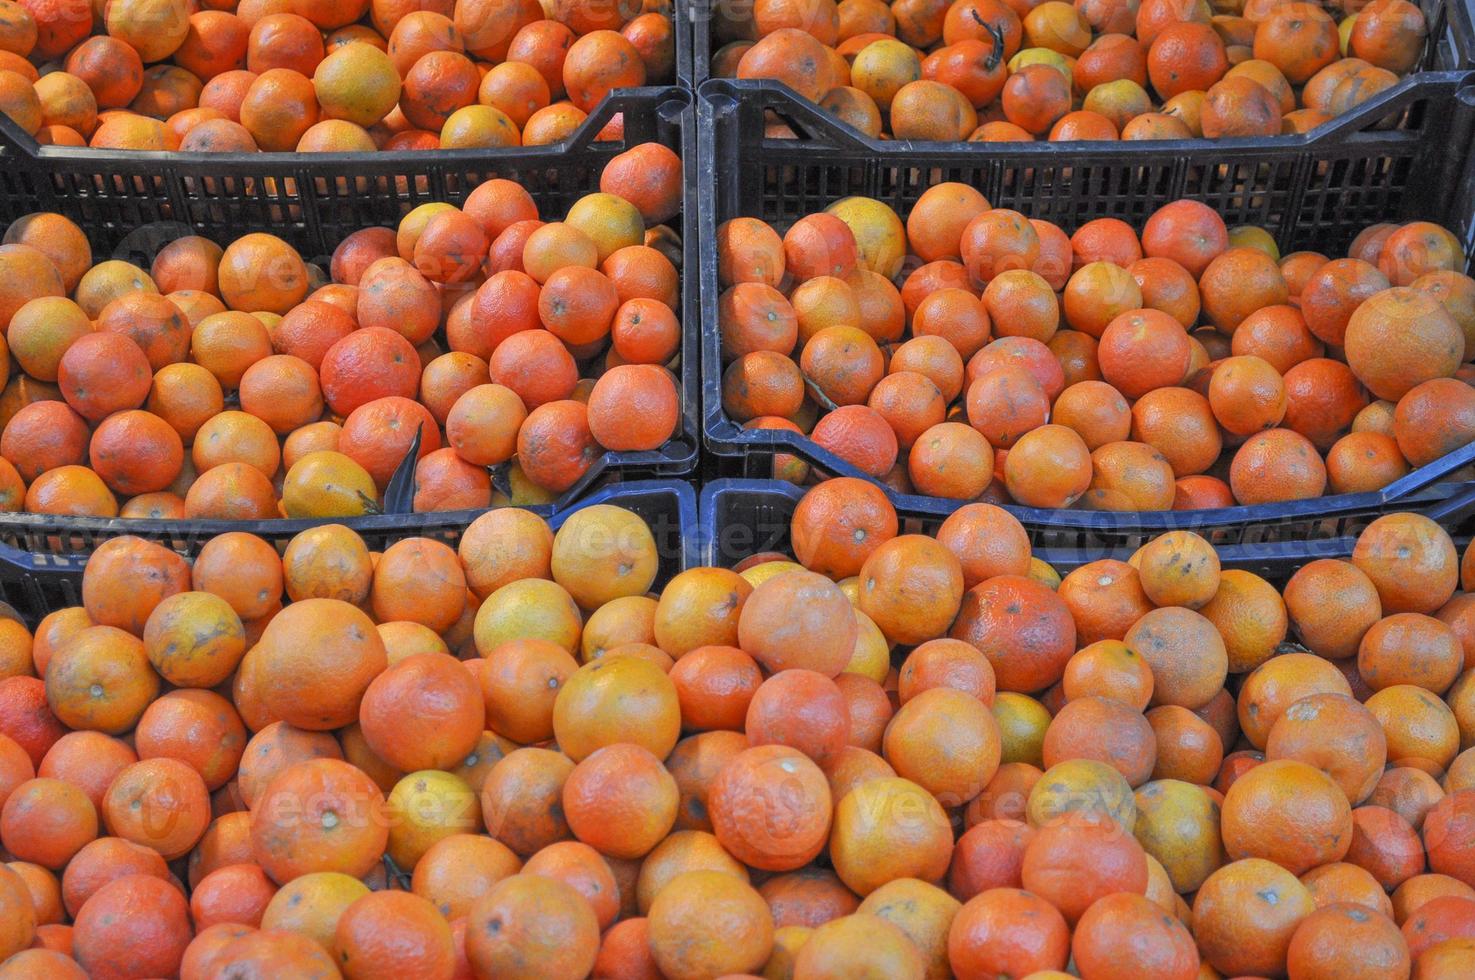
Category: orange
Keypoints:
(262, 272)
(798, 619)
(111, 68)
(1108, 668)
(1238, 106)
(1323, 397)
(946, 663)
(893, 571)
(424, 712)
(989, 618)
(944, 717)
(357, 83)
(647, 176)
(1159, 943)
(1250, 615)
(1104, 730)
(1247, 395)
(347, 655)
(1346, 883)
(160, 803)
(819, 731)
(87, 760)
(1275, 465)
(110, 935)
(237, 894)
(169, 724)
(1188, 232)
(613, 696)
(1096, 294)
(685, 939)
(393, 930)
(1186, 655)
(545, 928)
(839, 523)
(647, 797)
(1287, 812)
(1410, 561)
(1049, 466)
(1410, 648)
(1008, 931)
(1105, 598)
(1430, 420)
(1143, 350)
(101, 373)
(1245, 915)
(865, 940)
(42, 436)
(42, 330)
(633, 407)
(46, 822)
(1326, 937)
(1005, 404)
(341, 827)
(1279, 336)
(1399, 339)
(869, 850)
(1417, 248)
(1185, 56)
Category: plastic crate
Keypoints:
(124, 200)
(42, 559)
(132, 202)
(739, 518)
(1316, 190)
(1450, 46)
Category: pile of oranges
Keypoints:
(1189, 366)
(243, 383)
(890, 755)
(321, 75)
(1010, 70)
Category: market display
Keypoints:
(758, 533)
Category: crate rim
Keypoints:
(401, 525)
(380, 163)
(37, 583)
(1062, 559)
(1349, 125)
(725, 438)
(1456, 17)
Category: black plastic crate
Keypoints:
(1316, 190)
(136, 201)
(739, 518)
(42, 558)
(1449, 47)
(125, 202)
